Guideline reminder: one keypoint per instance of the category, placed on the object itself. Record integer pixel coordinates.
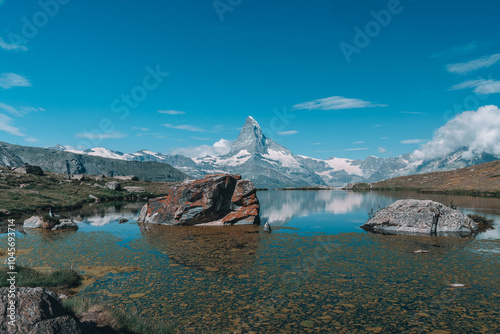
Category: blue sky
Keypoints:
(163, 75)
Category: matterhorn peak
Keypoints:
(250, 139)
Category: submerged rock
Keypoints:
(217, 199)
(411, 216)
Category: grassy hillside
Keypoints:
(478, 180)
(23, 193)
(71, 163)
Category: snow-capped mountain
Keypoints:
(270, 165)
(266, 163)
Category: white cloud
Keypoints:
(412, 141)
(171, 112)
(184, 127)
(317, 143)
(479, 131)
(91, 135)
(139, 128)
(481, 86)
(5, 125)
(221, 147)
(356, 149)
(358, 142)
(11, 47)
(9, 80)
(288, 133)
(458, 50)
(336, 103)
(381, 150)
(31, 140)
(20, 111)
(474, 65)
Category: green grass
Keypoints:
(24, 193)
(27, 277)
(119, 320)
(361, 187)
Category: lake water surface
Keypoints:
(318, 272)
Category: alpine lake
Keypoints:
(317, 272)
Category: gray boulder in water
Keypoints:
(411, 216)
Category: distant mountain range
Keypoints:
(67, 162)
(270, 165)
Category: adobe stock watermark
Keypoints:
(30, 26)
(363, 36)
(279, 122)
(123, 105)
(223, 6)
(11, 273)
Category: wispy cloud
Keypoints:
(381, 150)
(6, 125)
(288, 133)
(317, 143)
(459, 50)
(336, 103)
(139, 128)
(200, 138)
(184, 127)
(474, 65)
(481, 86)
(31, 139)
(385, 138)
(358, 142)
(20, 111)
(356, 149)
(413, 112)
(9, 80)
(412, 141)
(91, 135)
(171, 112)
(11, 47)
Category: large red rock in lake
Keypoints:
(217, 199)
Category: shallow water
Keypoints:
(318, 272)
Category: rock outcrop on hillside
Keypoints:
(29, 169)
(217, 199)
(411, 216)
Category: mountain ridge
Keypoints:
(271, 165)
(67, 162)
